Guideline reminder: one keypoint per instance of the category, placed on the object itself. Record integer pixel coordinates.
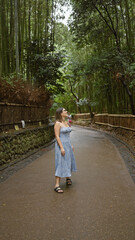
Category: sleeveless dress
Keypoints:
(66, 164)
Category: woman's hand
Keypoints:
(62, 151)
(73, 148)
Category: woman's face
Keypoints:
(64, 113)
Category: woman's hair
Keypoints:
(58, 114)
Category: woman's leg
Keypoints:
(57, 183)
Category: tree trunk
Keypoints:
(129, 95)
(46, 25)
(12, 62)
(16, 38)
(4, 38)
(75, 96)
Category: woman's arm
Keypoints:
(57, 135)
(73, 148)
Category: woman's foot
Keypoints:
(68, 181)
(58, 189)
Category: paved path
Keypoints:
(100, 205)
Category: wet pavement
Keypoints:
(100, 205)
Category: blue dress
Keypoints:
(66, 164)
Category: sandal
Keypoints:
(68, 181)
(58, 189)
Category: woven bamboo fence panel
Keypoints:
(124, 121)
(11, 114)
(81, 116)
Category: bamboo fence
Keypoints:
(125, 121)
(11, 114)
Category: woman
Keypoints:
(64, 156)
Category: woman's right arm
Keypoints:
(57, 135)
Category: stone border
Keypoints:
(15, 166)
(21, 144)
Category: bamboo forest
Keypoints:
(85, 63)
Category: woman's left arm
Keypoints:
(73, 148)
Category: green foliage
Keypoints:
(44, 66)
(86, 102)
(65, 100)
(91, 66)
(105, 30)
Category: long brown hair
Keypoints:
(58, 114)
